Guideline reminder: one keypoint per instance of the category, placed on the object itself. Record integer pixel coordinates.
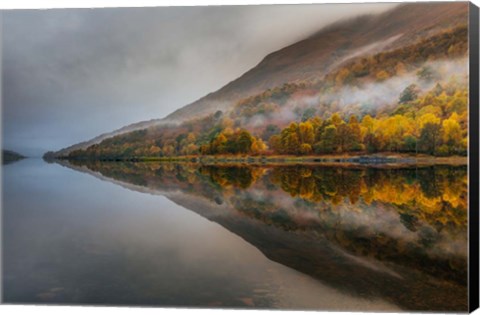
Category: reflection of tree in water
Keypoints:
(413, 220)
(437, 195)
(431, 210)
(241, 177)
(326, 198)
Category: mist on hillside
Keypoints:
(91, 71)
(372, 96)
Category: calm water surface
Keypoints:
(295, 237)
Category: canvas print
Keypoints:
(295, 157)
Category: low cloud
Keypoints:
(369, 97)
(72, 74)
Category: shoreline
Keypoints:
(367, 160)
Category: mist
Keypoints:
(72, 74)
(369, 97)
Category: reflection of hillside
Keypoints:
(399, 234)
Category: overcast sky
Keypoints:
(70, 75)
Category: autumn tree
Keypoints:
(452, 133)
(258, 146)
(400, 68)
(306, 133)
(219, 144)
(344, 76)
(275, 143)
(290, 142)
(336, 120)
(382, 75)
(355, 143)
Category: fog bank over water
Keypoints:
(72, 74)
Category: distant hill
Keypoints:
(314, 63)
(11, 157)
(100, 138)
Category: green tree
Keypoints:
(429, 137)
(410, 93)
(328, 139)
(245, 141)
(427, 74)
(308, 113)
(269, 131)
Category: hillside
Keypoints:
(315, 56)
(11, 157)
(100, 138)
(346, 55)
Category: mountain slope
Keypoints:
(100, 138)
(314, 57)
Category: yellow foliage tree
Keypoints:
(382, 75)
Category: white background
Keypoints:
(53, 310)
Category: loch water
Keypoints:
(373, 238)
